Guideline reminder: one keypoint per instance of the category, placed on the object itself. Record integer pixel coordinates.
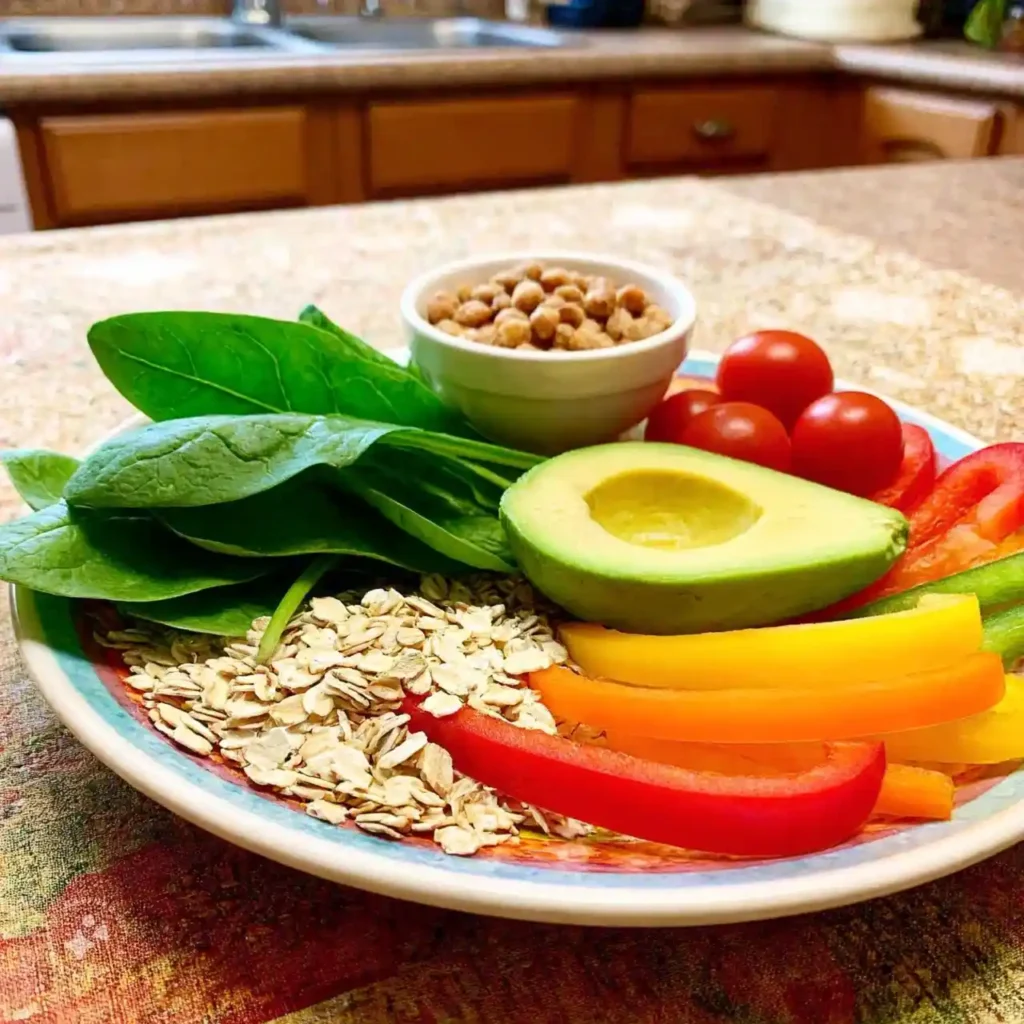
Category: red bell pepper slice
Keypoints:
(753, 815)
(916, 475)
(973, 515)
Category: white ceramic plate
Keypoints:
(582, 882)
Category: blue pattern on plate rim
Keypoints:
(55, 616)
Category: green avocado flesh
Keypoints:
(660, 538)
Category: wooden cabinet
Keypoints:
(94, 165)
(900, 125)
(680, 126)
(125, 166)
(462, 144)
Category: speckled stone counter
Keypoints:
(113, 910)
(649, 53)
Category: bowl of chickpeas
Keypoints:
(552, 351)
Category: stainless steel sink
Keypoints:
(122, 38)
(420, 33)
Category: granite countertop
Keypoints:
(113, 909)
(890, 300)
(648, 53)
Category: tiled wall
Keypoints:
(435, 8)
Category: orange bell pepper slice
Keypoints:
(911, 792)
(907, 791)
(777, 715)
(991, 737)
(941, 630)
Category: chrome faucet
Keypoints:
(257, 12)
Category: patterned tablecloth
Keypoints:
(113, 910)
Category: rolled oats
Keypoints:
(322, 723)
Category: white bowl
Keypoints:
(549, 402)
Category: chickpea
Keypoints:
(486, 292)
(450, 327)
(569, 292)
(487, 335)
(618, 323)
(642, 328)
(441, 306)
(544, 320)
(473, 313)
(553, 301)
(564, 334)
(531, 271)
(511, 313)
(501, 301)
(513, 333)
(578, 279)
(658, 316)
(507, 279)
(584, 340)
(553, 278)
(590, 326)
(572, 314)
(464, 292)
(632, 298)
(599, 302)
(527, 296)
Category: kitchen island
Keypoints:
(114, 910)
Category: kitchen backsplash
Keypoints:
(435, 8)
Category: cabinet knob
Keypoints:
(714, 129)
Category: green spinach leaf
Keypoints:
(39, 476)
(212, 459)
(223, 611)
(469, 535)
(115, 557)
(289, 605)
(174, 365)
(300, 517)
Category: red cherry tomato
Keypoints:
(850, 441)
(741, 431)
(671, 416)
(782, 371)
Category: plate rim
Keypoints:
(541, 901)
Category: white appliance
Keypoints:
(867, 21)
(14, 210)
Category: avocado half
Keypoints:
(661, 538)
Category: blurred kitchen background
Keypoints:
(122, 110)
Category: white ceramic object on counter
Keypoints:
(548, 402)
(866, 21)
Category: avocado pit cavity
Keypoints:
(670, 510)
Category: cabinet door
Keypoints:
(106, 167)
(445, 145)
(902, 126)
(700, 126)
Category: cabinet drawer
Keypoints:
(501, 140)
(699, 126)
(118, 165)
(903, 126)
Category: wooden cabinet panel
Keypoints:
(902, 126)
(700, 125)
(1012, 142)
(114, 166)
(457, 144)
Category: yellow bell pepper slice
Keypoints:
(907, 791)
(941, 630)
(990, 737)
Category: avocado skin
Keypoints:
(733, 602)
